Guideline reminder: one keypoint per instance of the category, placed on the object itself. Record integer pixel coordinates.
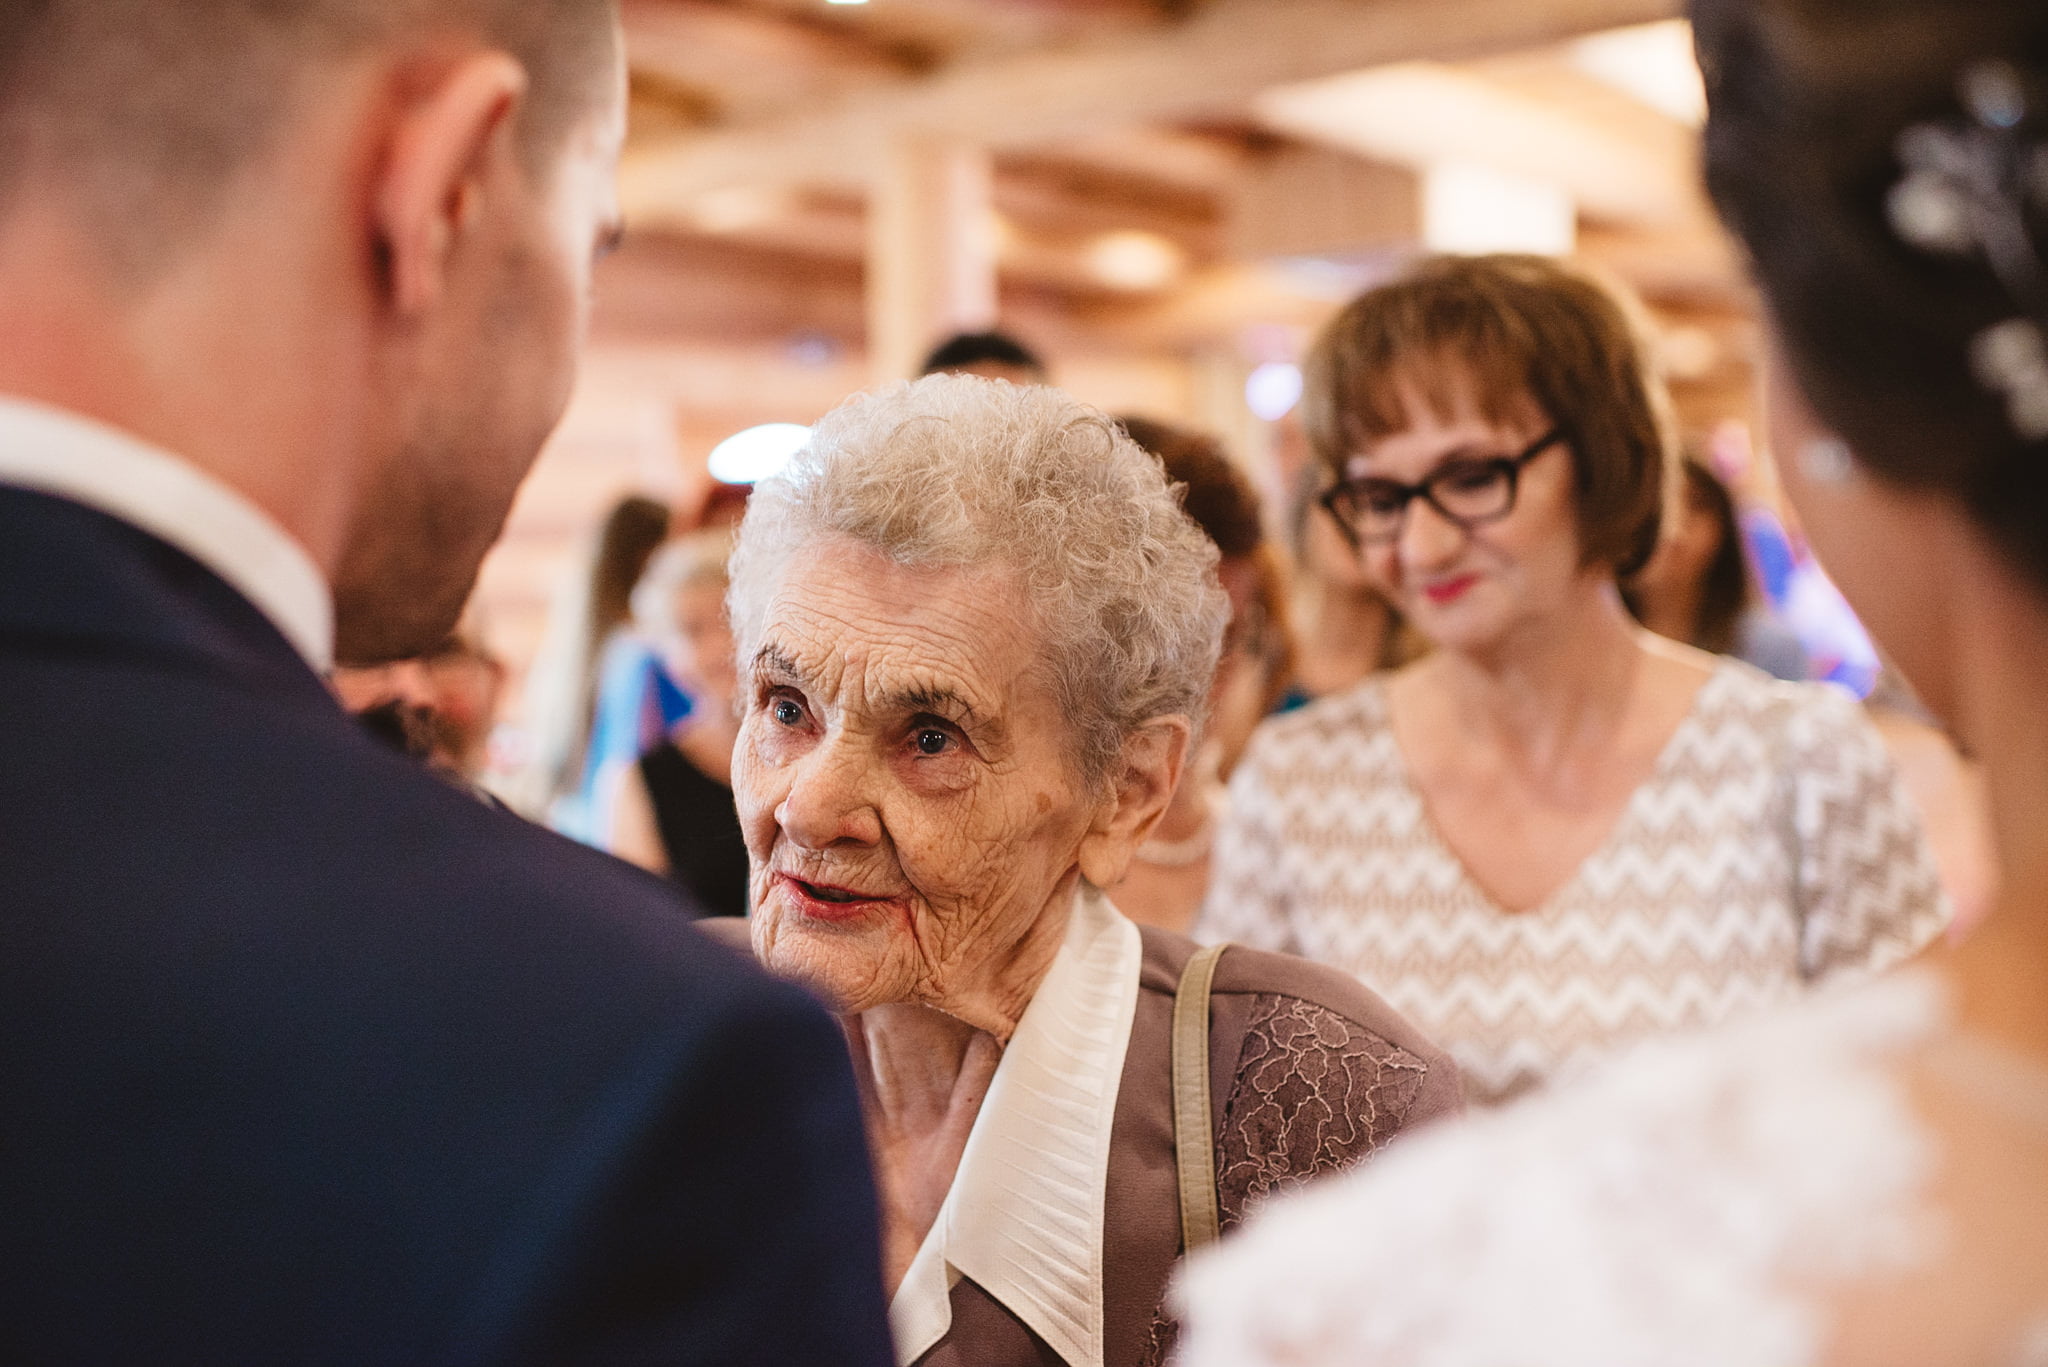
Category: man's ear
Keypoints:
(1151, 769)
(430, 182)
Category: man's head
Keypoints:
(991, 355)
(382, 213)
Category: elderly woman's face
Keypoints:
(904, 782)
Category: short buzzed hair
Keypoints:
(150, 107)
(966, 349)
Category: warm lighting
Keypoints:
(846, 2)
(1688, 352)
(736, 209)
(1273, 389)
(758, 453)
(1477, 209)
(1423, 115)
(1652, 62)
(1135, 260)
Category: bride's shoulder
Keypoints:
(1980, 1293)
(1658, 1209)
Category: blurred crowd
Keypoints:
(1311, 812)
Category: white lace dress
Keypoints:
(1772, 847)
(1688, 1205)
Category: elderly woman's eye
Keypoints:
(786, 712)
(931, 741)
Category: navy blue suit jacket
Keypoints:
(306, 1057)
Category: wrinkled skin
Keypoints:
(898, 743)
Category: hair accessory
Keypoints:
(1826, 460)
(1967, 192)
(2012, 358)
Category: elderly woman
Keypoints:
(976, 632)
(1557, 832)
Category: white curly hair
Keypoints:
(956, 470)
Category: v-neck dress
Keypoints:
(1771, 847)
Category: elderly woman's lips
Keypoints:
(827, 901)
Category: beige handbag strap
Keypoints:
(1194, 1139)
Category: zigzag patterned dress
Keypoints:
(1772, 847)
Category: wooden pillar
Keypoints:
(931, 251)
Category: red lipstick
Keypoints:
(827, 901)
(1447, 591)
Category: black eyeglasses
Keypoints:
(1469, 491)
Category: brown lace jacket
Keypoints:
(1309, 1072)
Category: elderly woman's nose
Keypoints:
(828, 799)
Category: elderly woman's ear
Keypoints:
(1151, 767)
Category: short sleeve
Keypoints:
(1868, 891)
(1247, 902)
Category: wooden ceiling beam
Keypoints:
(1160, 159)
(951, 29)
(1212, 65)
(1422, 114)
(1046, 197)
(750, 63)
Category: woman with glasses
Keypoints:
(1556, 832)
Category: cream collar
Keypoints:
(1023, 1219)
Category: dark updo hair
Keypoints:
(1808, 100)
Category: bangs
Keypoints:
(1451, 380)
(1447, 342)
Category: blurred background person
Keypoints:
(440, 707)
(672, 810)
(1345, 629)
(1697, 589)
(991, 355)
(1170, 870)
(590, 653)
(1474, 834)
(1794, 587)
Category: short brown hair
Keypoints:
(151, 106)
(1505, 332)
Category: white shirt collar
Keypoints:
(1023, 1219)
(55, 452)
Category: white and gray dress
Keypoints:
(1772, 847)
